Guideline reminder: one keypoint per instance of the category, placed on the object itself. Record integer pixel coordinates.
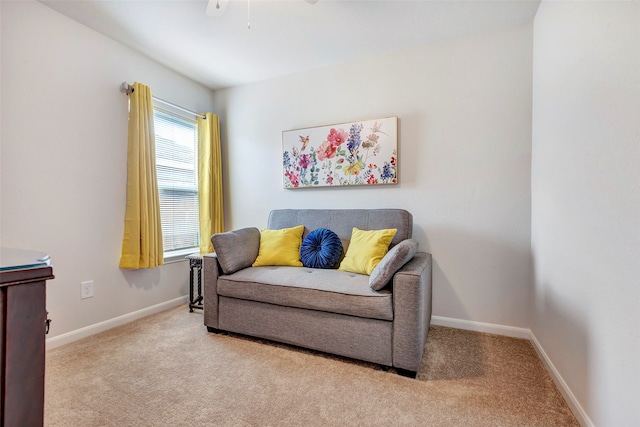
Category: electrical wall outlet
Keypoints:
(86, 289)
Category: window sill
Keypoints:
(177, 256)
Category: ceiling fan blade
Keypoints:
(216, 7)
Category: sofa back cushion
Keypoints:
(342, 221)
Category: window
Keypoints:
(177, 170)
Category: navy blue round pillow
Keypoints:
(321, 249)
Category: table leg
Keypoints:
(190, 287)
(199, 299)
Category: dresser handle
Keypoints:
(46, 328)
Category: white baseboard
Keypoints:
(489, 328)
(69, 337)
(510, 331)
(566, 392)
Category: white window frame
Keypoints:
(172, 255)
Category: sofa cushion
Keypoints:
(366, 250)
(280, 247)
(342, 221)
(321, 248)
(316, 289)
(398, 256)
(236, 249)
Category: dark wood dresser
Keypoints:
(23, 324)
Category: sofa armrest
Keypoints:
(411, 311)
(212, 270)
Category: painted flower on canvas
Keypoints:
(361, 153)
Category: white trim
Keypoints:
(69, 337)
(566, 392)
(510, 331)
(180, 254)
(490, 328)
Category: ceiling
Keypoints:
(285, 36)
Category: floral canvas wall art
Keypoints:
(354, 153)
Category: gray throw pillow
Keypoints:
(236, 249)
(398, 256)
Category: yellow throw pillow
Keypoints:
(366, 250)
(280, 247)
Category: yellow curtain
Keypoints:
(209, 180)
(142, 241)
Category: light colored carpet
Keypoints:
(167, 370)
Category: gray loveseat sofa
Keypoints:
(324, 309)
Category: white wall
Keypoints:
(586, 202)
(464, 111)
(63, 167)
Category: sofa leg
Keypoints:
(406, 373)
(214, 330)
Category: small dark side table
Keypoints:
(195, 272)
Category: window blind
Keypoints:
(177, 170)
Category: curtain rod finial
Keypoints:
(126, 88)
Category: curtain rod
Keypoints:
(127, 89)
